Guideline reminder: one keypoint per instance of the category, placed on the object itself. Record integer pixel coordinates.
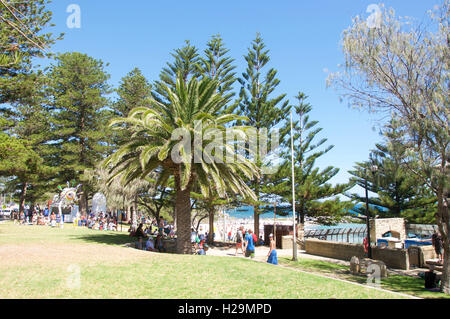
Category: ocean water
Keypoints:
(282, 211)
(246, 212)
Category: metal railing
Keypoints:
(356, 235)
(349, 235)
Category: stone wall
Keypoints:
(333, 249)
(393, 258)
(379, 226)
(286, 243)
(419, 254)
(170, 245)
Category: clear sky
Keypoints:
(302, 36)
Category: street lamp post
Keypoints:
(369, 248)
(294, 228)
(274, 223)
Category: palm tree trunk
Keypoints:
(183, 213)
(129, 214)
(135, 210)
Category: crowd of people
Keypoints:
(35, 216)
(101, 221)
(246, 241)
(198, 241)
(150, 234)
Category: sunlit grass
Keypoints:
(398, 283)
(36, 263)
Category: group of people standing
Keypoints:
(246, 240)
(35, 216)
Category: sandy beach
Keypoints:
(222, 226)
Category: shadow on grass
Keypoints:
(315, 265)
(411, 285)
(105, 238)
(404, 283)
(397, 283)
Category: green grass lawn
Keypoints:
(402, 284)
(41, 262)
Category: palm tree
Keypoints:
(165, 138)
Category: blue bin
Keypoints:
(382, 242)
(415, 242)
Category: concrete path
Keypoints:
(261, 256)
(262, 251)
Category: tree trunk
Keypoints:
(129, 214)
(23, 193)
(211, 227)
(444, 227)
(132, 215)
(256, 223)
(183, 213)
(135, 210)
(83, 204)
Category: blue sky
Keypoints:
(302, 36)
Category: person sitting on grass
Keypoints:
(53, 219)
(172, 232)
(250, 246)
(150, 244)
(139, 244)
(159, 243)
(203, 248)
(261, 241)
(140, 232)
(112, 226)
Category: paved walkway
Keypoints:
(262, 251)
(261, 256)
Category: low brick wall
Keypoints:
(393, 258)
(332, 249)
(170, 245)
(286, 243)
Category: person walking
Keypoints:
(250, 245)
(272, 255)
(437, 244)
(239, 241)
